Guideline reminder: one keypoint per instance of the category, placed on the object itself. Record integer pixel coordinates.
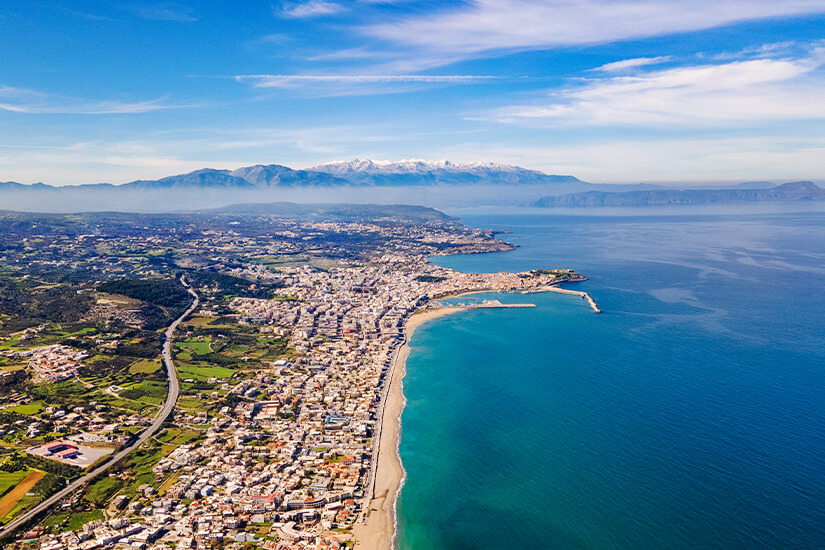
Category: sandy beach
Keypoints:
(379, 530)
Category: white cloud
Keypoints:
(735, 93)
(313, 8)
(487, 25)
(632, 63)
(20, 100)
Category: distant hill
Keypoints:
(226, 217)
(753, 185)
(794, 191)
(272, 175)
(396, 213)
(442, 184)
(199, 179)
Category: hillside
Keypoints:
(795, 191)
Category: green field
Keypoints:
(199, 347)
(11, 479)
(29, 408)
(10, 343)
(136, 406)
(102, 490)
(191, 403)
(73, 522)
(203, 373)
(144, 366)
(205, 321)
(82, 332)
(180, 436)
(148, 391)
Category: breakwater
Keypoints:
(495, 304)
(583, 295)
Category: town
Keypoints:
(283, 370)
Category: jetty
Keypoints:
(495, 304)
(583, 295)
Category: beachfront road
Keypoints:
(159, 418)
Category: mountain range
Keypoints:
(441, 184)
(443, 172)
(793, 191)
(354, 172)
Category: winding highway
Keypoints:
(157, 421)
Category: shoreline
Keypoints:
(379, 530)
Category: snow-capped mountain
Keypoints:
(404, 182)
(411, 166)
(422, 172)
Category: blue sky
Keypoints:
(606, 90)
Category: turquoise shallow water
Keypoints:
(691, 414)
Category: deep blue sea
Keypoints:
(689, 415)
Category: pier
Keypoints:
(495, 304)
(583, 295)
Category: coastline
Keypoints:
(379, 530)
(378, 533)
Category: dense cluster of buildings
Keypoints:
(289, 465)
(51, 363)
(289, 462)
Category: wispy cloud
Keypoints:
(166, 11)
(291, 81)
(632, 63)
(313, 8)
(359, 52)
(489, 25)
(710, 95)
(19, 100)
(775, 49)
(85, 15)
(276, 38)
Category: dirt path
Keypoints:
(7, 502)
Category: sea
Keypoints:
(690, 414)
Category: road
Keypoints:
(168, 406)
